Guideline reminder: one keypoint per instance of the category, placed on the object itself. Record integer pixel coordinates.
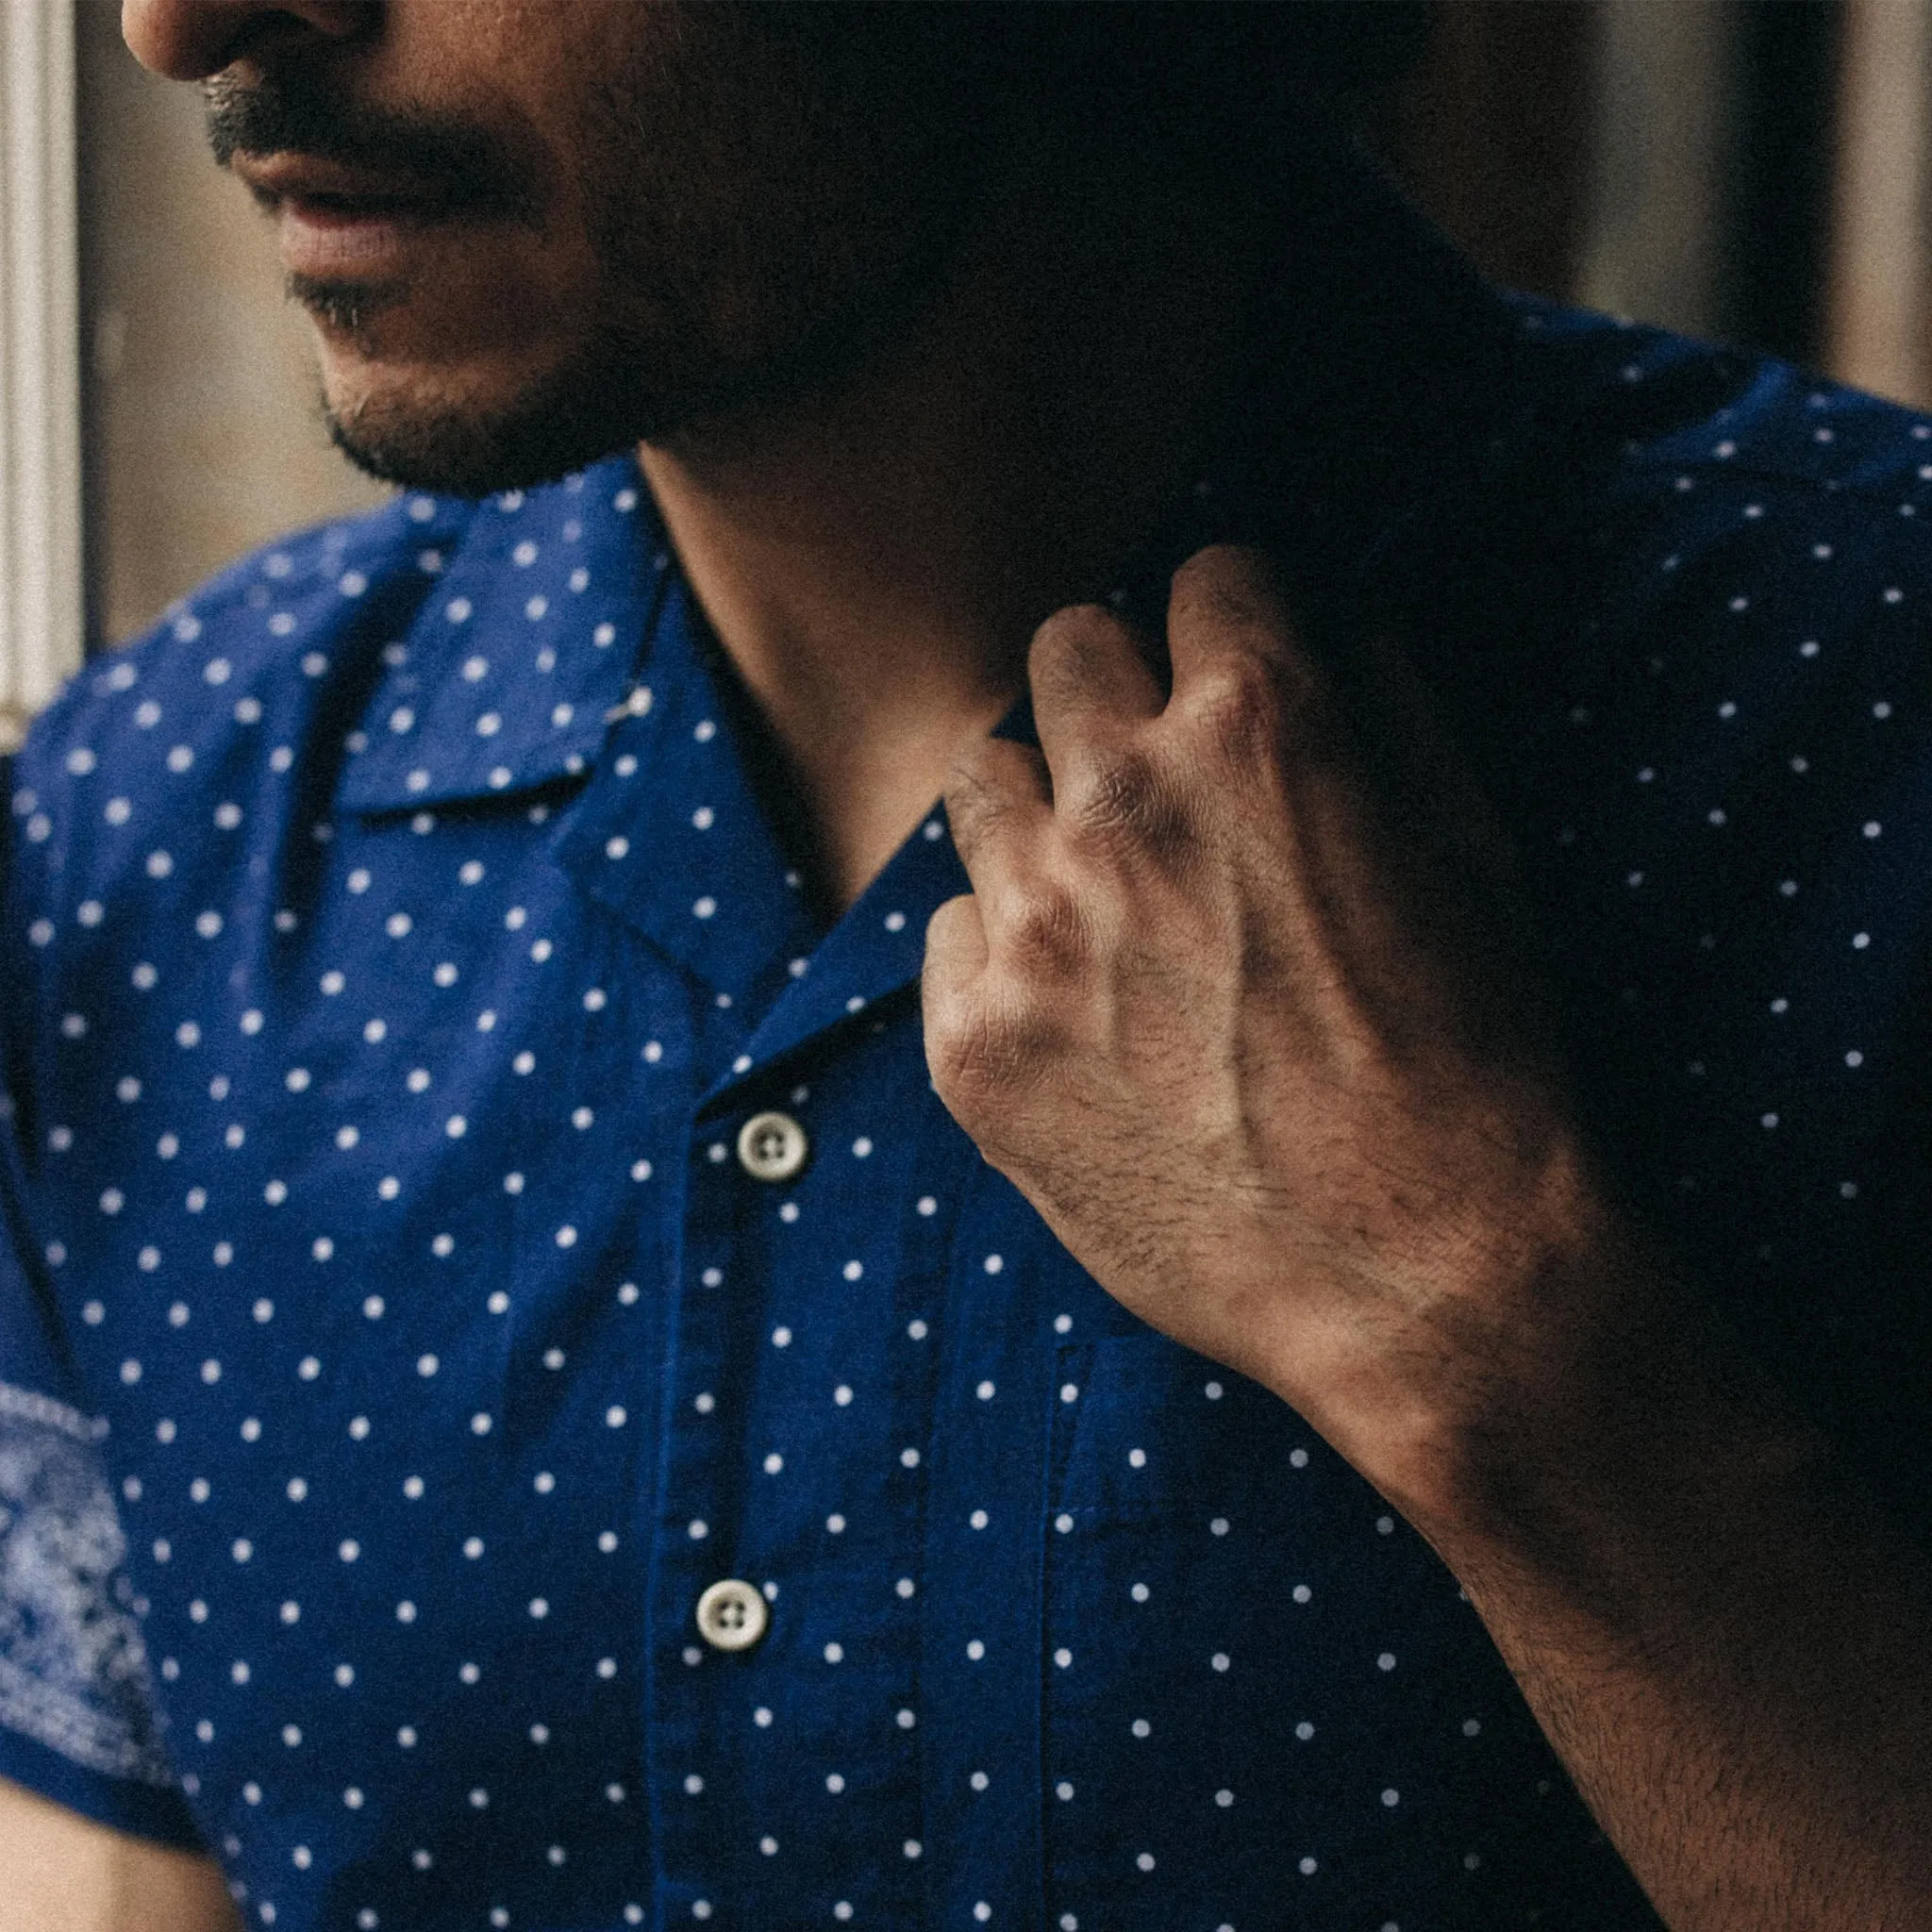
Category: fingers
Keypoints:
(1124, 782)
(956, 955)
(1027, 905)
(998, 803)
(1244, 688)
(1239, 671)
(1224, 603)
(955, 950)
(1091, 690)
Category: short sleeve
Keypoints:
(79, 1723)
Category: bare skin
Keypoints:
(873, 555)
(1248, 1038)
(873, 566)
(1270, 1080)
(63, 1873)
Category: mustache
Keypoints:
(462, 168)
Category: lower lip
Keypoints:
(330, 243)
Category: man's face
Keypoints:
(534, 231)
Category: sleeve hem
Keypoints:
(156, 1812)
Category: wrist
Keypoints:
(1464, 1329)
(1558, 1367)
(1633, 1416)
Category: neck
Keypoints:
(873, 562)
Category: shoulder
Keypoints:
(1692, 469)
(1708, 649)
(214, 713)
(1702, 690)
(245, 649)
(1692, 562)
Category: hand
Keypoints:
(1236, 1004)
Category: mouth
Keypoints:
(337, 223)
(330, 190)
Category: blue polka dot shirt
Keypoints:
(518, 1407)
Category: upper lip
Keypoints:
(280, 177)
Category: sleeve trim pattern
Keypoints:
(74, 1670)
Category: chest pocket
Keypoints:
(1267, 1704)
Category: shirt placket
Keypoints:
(784, 1739)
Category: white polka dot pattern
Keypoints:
(395, 951)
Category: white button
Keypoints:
(772, 1146)
(732, 1615)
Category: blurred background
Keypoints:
(1755, 170)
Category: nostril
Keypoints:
(183, 39)
(190, 40)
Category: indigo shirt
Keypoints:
(394, 1345)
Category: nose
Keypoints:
(190, 40)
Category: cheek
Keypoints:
(753, 174)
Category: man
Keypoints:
(682, 1336)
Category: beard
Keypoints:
(772, 198)
(610, 395)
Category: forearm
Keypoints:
(1240, 1002)
(1727, 1642)
(62, 1873)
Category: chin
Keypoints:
(452, 452)
(475, 438)
(490, 424)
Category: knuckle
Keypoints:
(1241, 707)
(1130, 801)
(975, 806)
(954, 936)
(1046, 930)
(969, 782)
(979, 1054)
(991, 783)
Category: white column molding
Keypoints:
(41, 600)
(1652, 244)
(1876, 334)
